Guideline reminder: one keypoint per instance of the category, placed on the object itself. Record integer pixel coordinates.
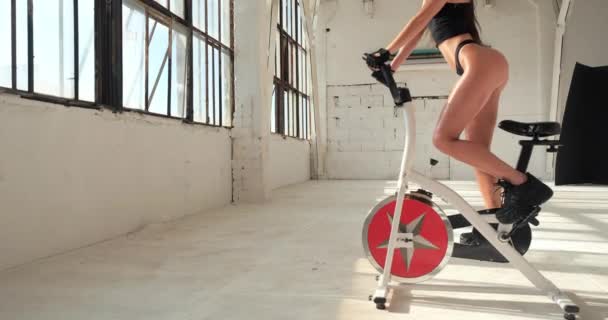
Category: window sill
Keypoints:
(424, 65)
(51, 99)
(285, 137)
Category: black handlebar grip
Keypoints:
(400, 95)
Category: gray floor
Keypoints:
(299, 257)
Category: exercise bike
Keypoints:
(408, 238)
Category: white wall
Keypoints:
(585, 41)
(70, 177)
(366, 136)
(521, 29)
(289, 161)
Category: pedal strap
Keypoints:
(530, 219)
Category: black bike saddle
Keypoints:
(534, 129)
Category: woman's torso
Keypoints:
(451, 21)
(449, 28)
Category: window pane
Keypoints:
(54, 47)
(213, 84)
(273, 110)
(134, 35)
(277, 61)
(6, 63)
(226, 22)
(22, 51)
(198, 14)
(301, 118)
(217, 90)
(294, 66)
(200, 80)
(86, 49)
(178, 71)
(162, 2)
(226, 90)
(299, 31)
(288, 17)
(158, 56)
(213, 15)
(177, 7)
(305, 119)
(292, 113)
(285, 113)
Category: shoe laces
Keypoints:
(504, 187)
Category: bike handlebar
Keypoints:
(385, 76)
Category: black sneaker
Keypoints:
(520, 201)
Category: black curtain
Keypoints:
(583, 159)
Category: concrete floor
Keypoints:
(299, 257)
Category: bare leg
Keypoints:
(481, 131)
(468, 98)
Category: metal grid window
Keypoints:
(291, 107)
(172, 58)
(51, 48)
(159, 37)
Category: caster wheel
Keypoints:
(381, 306)
(570, 316)
(377, 278)
(370, 297)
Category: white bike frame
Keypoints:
(476, 220)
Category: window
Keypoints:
(51, 50)
(174, 58)
(291, 107)
(426, 52)
(156, 51)
(154, 61)
(212, 62)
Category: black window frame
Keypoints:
(108, 56)
(30, 92)
(290, 82)
(192, 31)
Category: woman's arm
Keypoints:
(411, 33)
(405, 51)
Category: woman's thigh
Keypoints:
(484, 75)
(481, 128)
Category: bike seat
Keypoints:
(534, 129)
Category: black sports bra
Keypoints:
(449, 22)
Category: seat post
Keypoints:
(525, 155)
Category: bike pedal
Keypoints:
(534, 222)
(469, 239)
(529, 219)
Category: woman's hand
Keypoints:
(377, 59)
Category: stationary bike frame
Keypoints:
(482, 224)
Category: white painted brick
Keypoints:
(434, 105)
(378, 89)
(367, 124)
(348, 101)
(372, 101)
(332, 102)
(340, 134)
(392, 123)
(349, 146)
(394, 144)
(361, 165)
(372, 145)
(361, 135)
(341, 113)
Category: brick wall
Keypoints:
(366, 134)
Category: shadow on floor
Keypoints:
(592, 308)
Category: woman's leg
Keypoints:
(485, 73)
(481, 131)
